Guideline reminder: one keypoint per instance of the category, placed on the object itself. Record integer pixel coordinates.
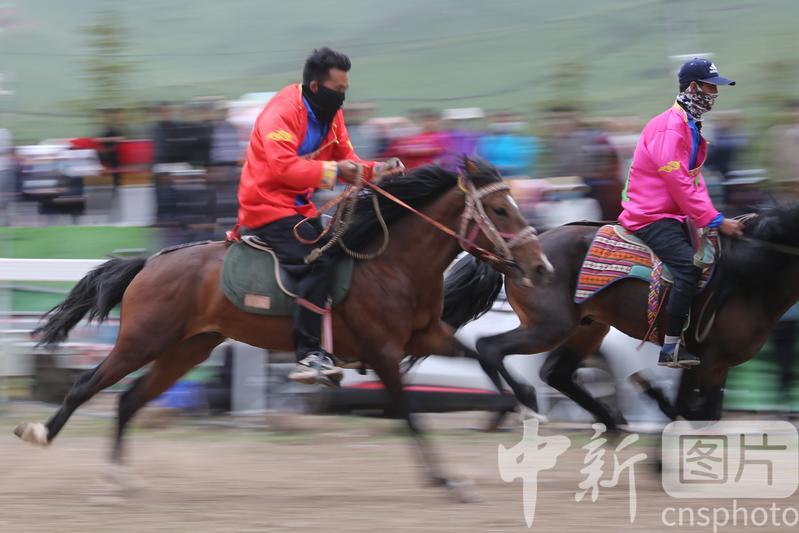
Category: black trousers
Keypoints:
(669, 240)
(314, 280)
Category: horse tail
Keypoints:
(96, 295)
(470, 288)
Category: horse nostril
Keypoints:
(541, 270)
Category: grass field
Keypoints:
(507, 53)
(64, 243)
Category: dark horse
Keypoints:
(173, 312)
(756, 281)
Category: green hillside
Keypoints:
(511, 51)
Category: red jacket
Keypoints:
(274, 175)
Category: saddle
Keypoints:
(253, 280)
(616, 254)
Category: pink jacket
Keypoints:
(660, 184)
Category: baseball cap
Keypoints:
(698, 69)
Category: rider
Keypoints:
(665, 187)
(299, 144)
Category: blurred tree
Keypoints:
(779, 83)
(568, 85)
(107, 67)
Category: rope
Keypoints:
(369, 256)
(342, 219)
(474, 211)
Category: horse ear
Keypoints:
(469, 166)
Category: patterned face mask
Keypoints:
(698, 103)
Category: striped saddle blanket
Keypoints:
(617, 254)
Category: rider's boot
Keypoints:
(317, 366)
(674, 355)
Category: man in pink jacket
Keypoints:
(665, 187)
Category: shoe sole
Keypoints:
(679, 364)
(311, 377)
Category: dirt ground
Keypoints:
(304, 473)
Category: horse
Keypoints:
(755, 282)
(173, 311)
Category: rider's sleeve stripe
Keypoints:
(329, 169)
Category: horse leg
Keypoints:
(386, 364)
(122, 360)
(440, 339)
(657, 394)
(165, 371)
(558, 371)
(492, 350)
(698, 401)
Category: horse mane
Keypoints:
(417, 188)
(778, 224)
(753, 264)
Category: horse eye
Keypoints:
(501, 211)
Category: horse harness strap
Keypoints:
(474, 211)
(774, 246)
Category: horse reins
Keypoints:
(774, 246)
(700, 336)
(473, 212)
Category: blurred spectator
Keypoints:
(226, 148)
(462, 129)
(565, 142)
(422, 148)
(363, 134)
(623, 136)
(227, 151)
(164, 133)
(112, 132)
(577, 148)
(199, 131)
(506, 146)
(727, 143)
(784, 148)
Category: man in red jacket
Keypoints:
(299, 144)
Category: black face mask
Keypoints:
(324, 102)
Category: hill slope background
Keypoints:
(611, 54)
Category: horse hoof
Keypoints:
(460, 488)
(526, 412)
(33, 432)
(123, 480)
(527, 396)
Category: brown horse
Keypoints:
(756, 281)
(173, 312)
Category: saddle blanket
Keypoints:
(253, 281)
(616, 254)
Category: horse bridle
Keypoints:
(474, 212)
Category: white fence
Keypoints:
(45, 269)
